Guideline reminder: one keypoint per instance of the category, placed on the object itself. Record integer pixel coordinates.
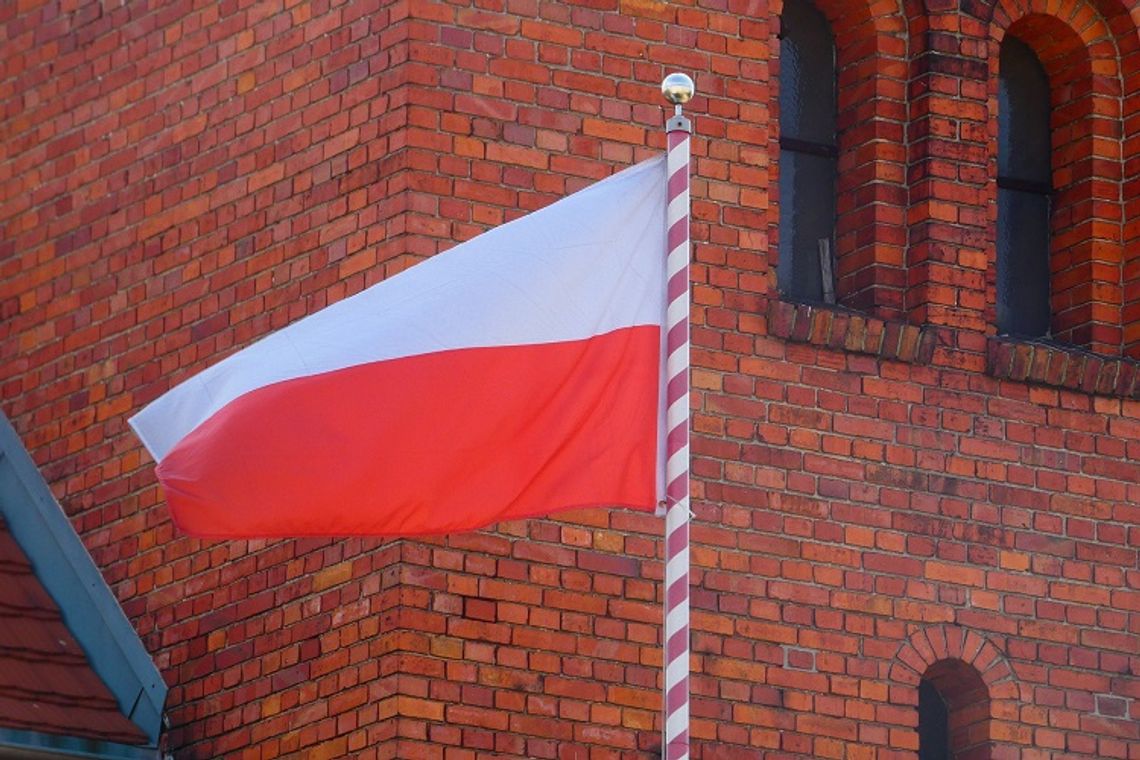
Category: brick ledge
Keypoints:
(1062, 367)
(840, 329)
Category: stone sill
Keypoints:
(842, 329)
(1062, 366)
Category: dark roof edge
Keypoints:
(34, 745)
(66, 570)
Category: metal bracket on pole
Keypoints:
(678, 122)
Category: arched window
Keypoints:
(808, 153)
(1024, 193)
(953, 713)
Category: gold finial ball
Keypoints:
(678, 88)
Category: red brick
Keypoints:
(864, 475)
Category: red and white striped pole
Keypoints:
(677, 89)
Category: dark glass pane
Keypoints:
(1023, 263)
(933, 724)
(1023, 124)
(807, 74)
(807, 215)
(1024, 181)
(807, 155)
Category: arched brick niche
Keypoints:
(972, 677)
(966, 710)
(871, 195)
(1082, 49)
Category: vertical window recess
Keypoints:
(1024, 193)
(808, 154)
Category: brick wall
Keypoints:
(880, 493)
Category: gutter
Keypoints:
(33, 745)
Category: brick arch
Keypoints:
(865, 27)
(1081, 56)
(871, 50)
(971, 673)
(927, 646)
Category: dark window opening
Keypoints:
(808, 152)
(933, 723)
(953, 713)
(1024, 193)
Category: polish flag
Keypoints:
(515, 375)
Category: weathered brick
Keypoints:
(878, 487)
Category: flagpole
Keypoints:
(677, 89)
